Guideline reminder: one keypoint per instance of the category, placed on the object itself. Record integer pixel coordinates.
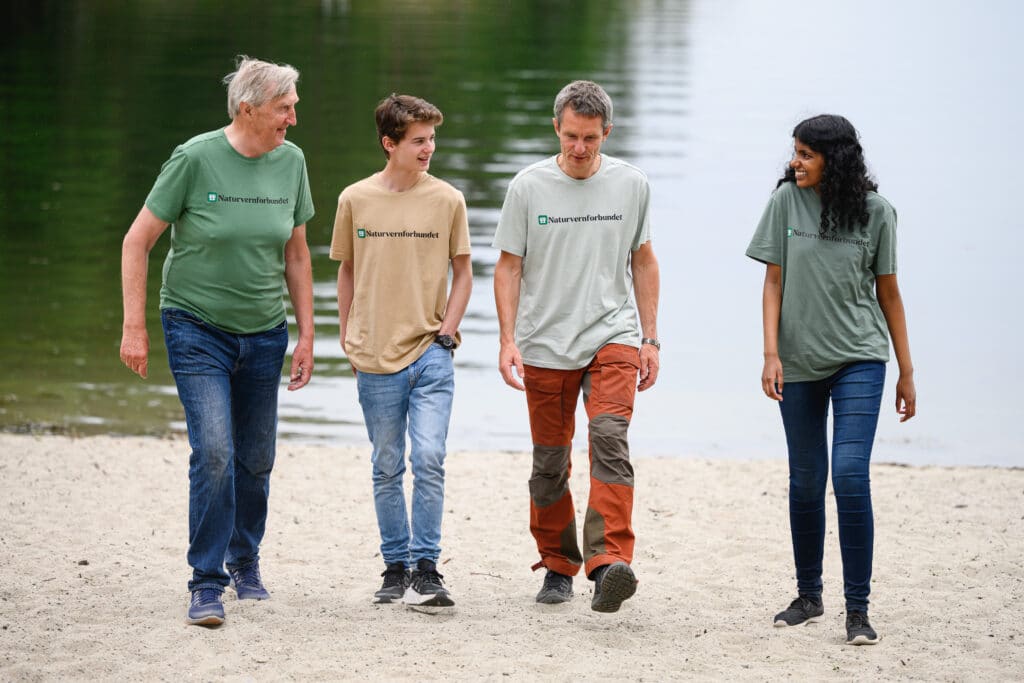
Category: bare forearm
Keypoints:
(507, 279)
(458, 298)
(647, 285)
(346, 290)
(891, 304)
(771, 309)
(298, 275)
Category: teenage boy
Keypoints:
(395, 234)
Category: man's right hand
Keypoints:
(509, 358)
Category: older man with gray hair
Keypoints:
(575, 244)
(237, 199)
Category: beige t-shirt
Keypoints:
(400, 245)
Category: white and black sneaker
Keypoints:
(858, 630)
(426, 588)
(396, 580)
(803, 610)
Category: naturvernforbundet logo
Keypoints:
(542, 219)
(361, 233)
(211, 197)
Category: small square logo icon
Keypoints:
(361, 232)
(542, 219)
(211, 196)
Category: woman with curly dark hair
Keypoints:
(830, 305)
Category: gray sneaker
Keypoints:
(557, 589)
(396, 580)
(613, 584)
(803, 610)
(858, 630)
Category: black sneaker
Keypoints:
(557, 588)
(858, 630)
(803, 610)
(396, 580)
(247, 582)
(426, 588)
(613, 584)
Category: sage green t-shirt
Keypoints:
(231, 216)
(830, 316)
(576, 238)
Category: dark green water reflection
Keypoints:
(95, 95)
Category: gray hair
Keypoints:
(586, 98)
(257, 82)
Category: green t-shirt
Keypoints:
(830, 316)
(576, 238)
(232, 216)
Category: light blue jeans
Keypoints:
(417, 400)
(228, 386)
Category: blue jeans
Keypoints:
(417, 399)
(228, 386)
(856, 394)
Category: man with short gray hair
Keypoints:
(575, 244)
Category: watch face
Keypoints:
(446, 341)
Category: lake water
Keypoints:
(94, 97)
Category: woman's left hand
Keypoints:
(906, 397)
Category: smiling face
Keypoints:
(269, 122)
(412, 153)
(581, 138)
(808, 165)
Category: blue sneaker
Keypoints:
(247, 582)
(205, 609)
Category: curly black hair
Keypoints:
(845, 182)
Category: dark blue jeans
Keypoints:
(856, 394)
(228, 386)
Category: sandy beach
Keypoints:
(93, 576)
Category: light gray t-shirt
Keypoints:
(576, 238)
(830, 316)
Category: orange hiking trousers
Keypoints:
(609, 387)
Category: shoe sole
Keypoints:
(617, 585)
(552, 598)
(862, 640)
(779, 623)
(386, 599)
(210, 620)
(245, 595)
(436, 600)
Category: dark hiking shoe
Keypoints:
(803, 610)
(557, 589)
(858, 630)
(426, 587)
(247, 582)
(205, 608)
(613, 584)
(396, 580)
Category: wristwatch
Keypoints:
(653, 342)
(446, 341)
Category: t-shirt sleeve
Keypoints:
(304, 201)
(643, 228)
(885, 255)
(458, 240)
(766, 244)
(510, 235)
(167, 199)
(341, 239)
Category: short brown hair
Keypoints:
(396, 112)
